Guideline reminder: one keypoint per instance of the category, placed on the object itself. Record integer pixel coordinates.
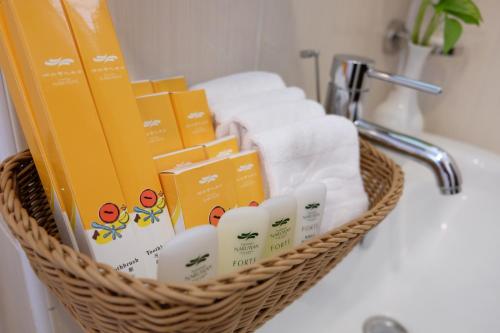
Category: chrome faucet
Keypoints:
(349, 82)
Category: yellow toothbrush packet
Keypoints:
(142, 87)
(159, 123)
(193, 117)
(38, 148)
(49, 66)
(171, 84)
(222, 147)
(200, 193)
(248, 178)
(107, 76)
(179, 158)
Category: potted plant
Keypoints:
(448, 12)
(401, 110)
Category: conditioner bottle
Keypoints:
(190, 256)
(282, 211)
(310, 207)
(242, 235)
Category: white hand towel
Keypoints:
(271, 116)
(240, 84)
(224, 111)
(324, 149)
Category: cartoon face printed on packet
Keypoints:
(152, 206)
(148, 198)
(215, 215)
(112, 222)
(109, 213)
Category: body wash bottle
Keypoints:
(190, 256)
(282, 213)
(310, 207)
(242, 235)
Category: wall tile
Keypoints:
(468, 109)
(199, 39)
(331, 27)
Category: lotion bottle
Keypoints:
(190, 256)
(242, 235)
(310, 207)
(282, 213)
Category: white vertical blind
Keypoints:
(7, 138)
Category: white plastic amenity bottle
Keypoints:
(242, 235)
(282, 212)
(190, 256)
(310, 207)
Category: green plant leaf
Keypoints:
(432, 27)
(419, 19)
(465, 10)
(452, 32)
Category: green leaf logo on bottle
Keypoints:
(198, 260)
(248, 235)
(281, 222)
(313, 205)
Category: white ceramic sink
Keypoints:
(433, 265)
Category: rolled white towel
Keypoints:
(240, 84)
(272, 116)
(325, 150)
(224, 112)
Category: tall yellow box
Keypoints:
(171, 84)
(159, 123)
(179, 158)
(38, 152)
(193, 117)
(248, 178)
(200, 193)
(142, 87)
(109, 82)
(222, 147)
(71, 132)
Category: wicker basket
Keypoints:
(103, 300)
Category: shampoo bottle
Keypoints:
(310, 207)
(242, 235)
(282, 212)
(190, 256)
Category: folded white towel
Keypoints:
(272, 116)
(240, 84)
(324, 149)
(224, 111)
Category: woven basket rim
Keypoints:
(101, 275)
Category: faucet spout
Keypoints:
(445, 168)
(348, 83)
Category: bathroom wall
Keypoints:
(209, 38)
(469, 108)
(201, 39)
(331, 27)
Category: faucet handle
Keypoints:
(349, 73)
(349, 82)
(404, 81)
